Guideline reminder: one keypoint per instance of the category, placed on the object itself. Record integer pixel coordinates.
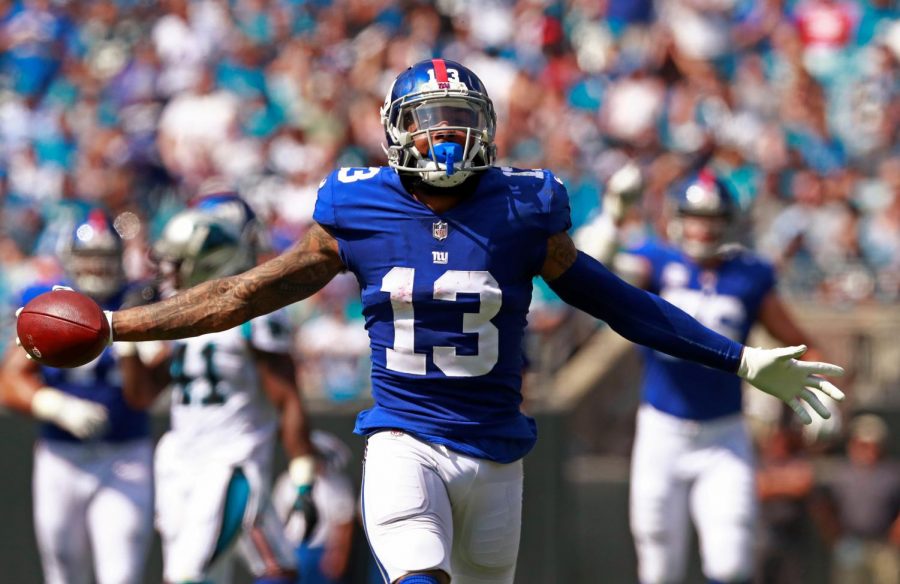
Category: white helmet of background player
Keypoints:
(93, 257)
(439, 123)
(704, 213)
(196, 246)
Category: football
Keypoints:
(62, 328)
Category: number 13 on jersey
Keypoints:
(398, 282)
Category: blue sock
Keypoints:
(276, 580)
(419, 579)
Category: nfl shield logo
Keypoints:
(439, 230)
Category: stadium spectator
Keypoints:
(859, 511)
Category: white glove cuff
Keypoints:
(47, 403)
(744, 367)
(108, 314)
(302, 469)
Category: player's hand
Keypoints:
(302, 473)
(623, 189)
(82, 418)
(106, 313)
(779, 373)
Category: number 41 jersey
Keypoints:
(445, 298)
(220, 410)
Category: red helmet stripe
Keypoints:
(440, 70)
(707, 178)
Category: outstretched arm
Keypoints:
(637, 315)
(222, 304)
(649, 320)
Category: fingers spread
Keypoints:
(789, 352)
(815, 403)
(819, 368)
(825, 387)
(800, 411)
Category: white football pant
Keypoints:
(190, 506)
(93, 510)
(683, 470)
(426, 507)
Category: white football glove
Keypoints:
(82, 418)
(106, 313)
(779, 373)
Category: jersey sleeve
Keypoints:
(559, 216)
(271, 333)
(325, 213)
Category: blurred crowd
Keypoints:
(135, 105)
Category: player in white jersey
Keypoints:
(231, 391)
(92, 484)
(693, 456)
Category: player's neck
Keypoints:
(439, 203)
(440, 199)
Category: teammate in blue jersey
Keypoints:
(693, 455)
(445, 246)
(92, 484)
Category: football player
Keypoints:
(232, 390)
(445, 245)
(693, 456)
(92, 483)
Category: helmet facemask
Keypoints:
(444, 134)
(703, 221)
(97, 273)
(93, 258)
(701, 237)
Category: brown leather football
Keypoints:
(63, 328)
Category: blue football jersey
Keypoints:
(445, 299)
(727, 300)
(98, 381)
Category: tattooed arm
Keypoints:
(561, 254)
(222, 304)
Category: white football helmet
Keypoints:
(196, 246)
